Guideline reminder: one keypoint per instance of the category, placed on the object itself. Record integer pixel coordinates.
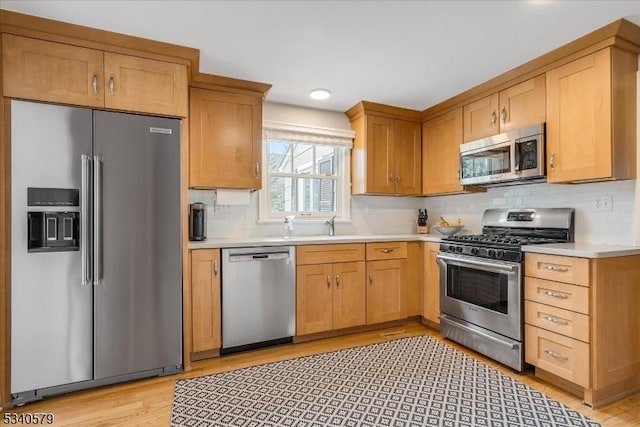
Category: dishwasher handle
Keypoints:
(258, 256)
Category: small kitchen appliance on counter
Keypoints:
(197, 222)
(481, 279)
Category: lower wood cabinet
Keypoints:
(431, 294)
(386, 281)
(581, 324)
(330, 296)
(205, 300)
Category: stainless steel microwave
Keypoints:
(506, 158)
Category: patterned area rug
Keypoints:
(417, 381)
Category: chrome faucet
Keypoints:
(331, 224)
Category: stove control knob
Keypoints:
(452, 248)
(459, 249)
(499, 254)
(491, 253)
(473, 251)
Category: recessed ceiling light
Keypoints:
(319, 94)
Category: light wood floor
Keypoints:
(148, 402)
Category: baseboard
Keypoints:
(353, 330)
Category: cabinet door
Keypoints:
(205, 299)
(314, 299)
(225, 139)
(481, 118)
(523, 104)
(431, 295)
(442, 137)
(145, 85)
(380, 155)
(579, 119)
(349, 296)
(54, 72)
(386, 291)
(408, 147)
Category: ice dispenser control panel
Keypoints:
(53, 230)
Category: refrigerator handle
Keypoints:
(97, 220)
(85, 278)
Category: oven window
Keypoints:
(489, 162)
(478, 287)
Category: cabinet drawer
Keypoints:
(323, 254)
(564, 322)
(557, 354)
(556, 294)
(386, 250)
(558, 268)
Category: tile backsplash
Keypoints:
(605, 211)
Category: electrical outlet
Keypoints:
(603, 204)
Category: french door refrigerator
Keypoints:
(96, 267)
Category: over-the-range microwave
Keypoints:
(504, 159)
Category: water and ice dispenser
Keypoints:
(56, 228)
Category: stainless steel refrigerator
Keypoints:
(96, 265)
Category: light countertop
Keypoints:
(583, 250)
(311, 240)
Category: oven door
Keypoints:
(483, 292)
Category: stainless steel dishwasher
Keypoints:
(258, 297)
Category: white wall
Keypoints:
(387, 214)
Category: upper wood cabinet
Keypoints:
(515, 107)
(205, 299)
(55, 72)
(386, 157)
(225, 132)
(591, 118)
(441, 139)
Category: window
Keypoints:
(306, 173)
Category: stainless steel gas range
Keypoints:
(481, 279)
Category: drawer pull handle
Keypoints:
(556, 268)
(555, 320)
(386, 251)
(555, 294)
(556, 355)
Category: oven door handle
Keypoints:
(489, 265)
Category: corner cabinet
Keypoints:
(431, 293)
(225, 139)
(205, 301)
(591, 118)
(56, 72)
(517, 106)
(581, 324)
(330, 287)
(386, 156)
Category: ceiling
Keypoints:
(411, 54)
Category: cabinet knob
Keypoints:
(94, 83)
(503, 115)
(494, 118)
(391, 178)
(337, 281)
(257, 170)
(215, 267)
(370, 278)
(552, 161)
(397, 179)
(328, 281)
(112, 85)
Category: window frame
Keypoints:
(315, 136)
